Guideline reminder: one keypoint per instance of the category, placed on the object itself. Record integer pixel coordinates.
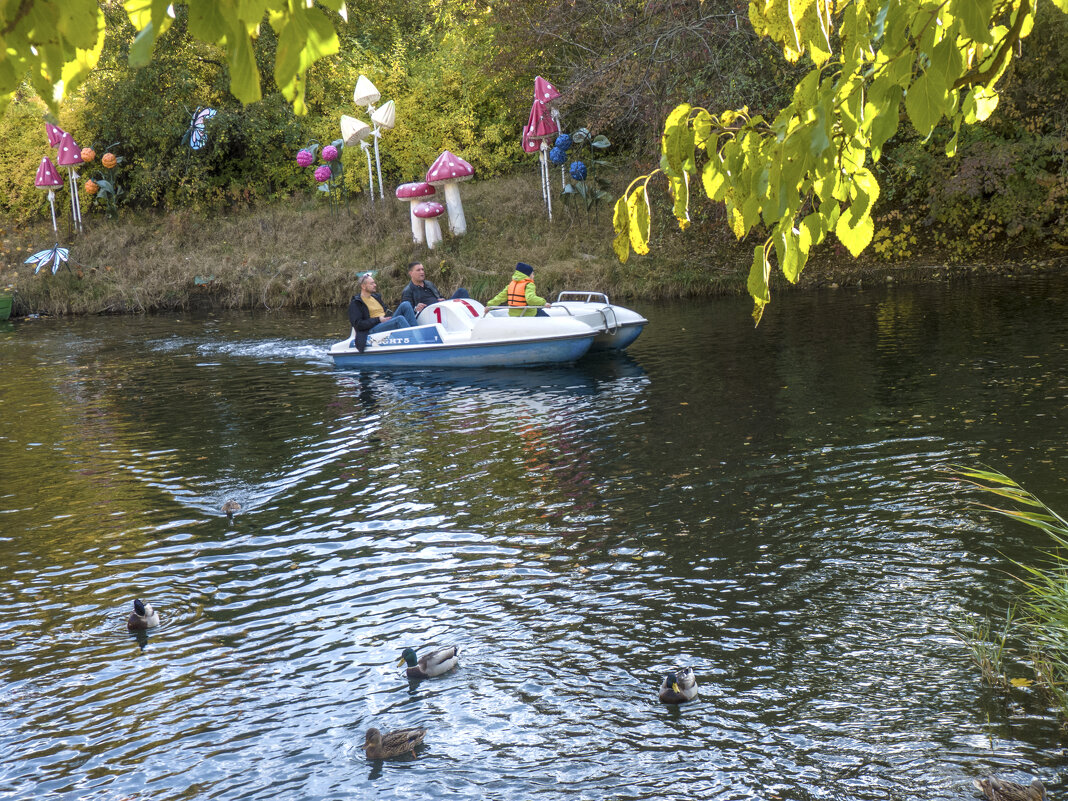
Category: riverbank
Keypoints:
(303, 255)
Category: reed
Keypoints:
(1043, 620)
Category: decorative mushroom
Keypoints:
(69, 155)
(353, 131)
(429, 213)
(415, 193)
(385, 116)
(54, 133)
(447, 172)
(539, 129)
(48, 177)
(365, 93)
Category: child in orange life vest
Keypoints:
(520, 292)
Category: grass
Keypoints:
(1042, 622)
(300, 255)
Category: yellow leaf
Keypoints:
(1021, 682)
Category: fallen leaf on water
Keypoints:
(1021, 682)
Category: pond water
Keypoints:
(766, 505)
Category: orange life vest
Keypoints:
(517, 292)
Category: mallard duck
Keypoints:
(679, 686)
(392, 744)
(143, 617)
(433, 664)
(998, 790)
(231, 508)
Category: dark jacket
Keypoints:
(361, 319)
(427, 293)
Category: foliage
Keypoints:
(59, 42)
(623, 66)
(805, 173)
(1043, 622)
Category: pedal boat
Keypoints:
(616, 326)
(460, 333)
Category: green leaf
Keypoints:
(206, 20)
(855, 228)
(791, 259)
(639, 224)
(680, 189)
(757, 283)
(975, 18)
(714, 179)
(141, 49)
(925, 101)
(244, 75)
(677, 143)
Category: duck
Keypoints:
(997, 789)
(230, 508)
(679, 686)
(392, 744)
(143, 617)
(433, 664)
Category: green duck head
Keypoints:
(408, 656)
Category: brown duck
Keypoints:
(997, 789)
(392, 744)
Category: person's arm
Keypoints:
(359, 316)
(499, 298)
(408, 294)
(532, 296)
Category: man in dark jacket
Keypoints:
(422, 293)
(369, 314)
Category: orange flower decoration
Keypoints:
(109, 160)
(88, 154)
(91, 187)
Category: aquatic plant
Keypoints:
(1043, 606)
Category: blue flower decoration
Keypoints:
(563, 141)
(557, 155)
(578, 170)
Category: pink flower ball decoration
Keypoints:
(322, 173)
(305, 158)
(329, 153)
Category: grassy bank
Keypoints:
(300, 255)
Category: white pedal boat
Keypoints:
(460, 333)
(616, 326)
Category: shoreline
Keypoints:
(301, 255)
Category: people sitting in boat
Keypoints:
(521, 292)
(422, 293)
(369, 314)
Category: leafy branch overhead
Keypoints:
(807, 172)
(55, 44)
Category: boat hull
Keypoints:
(471, 354)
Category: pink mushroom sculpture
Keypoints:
(447, 172)
(69, 155)
(429, 213)
(54, 134)
(416, 193)
(539, 129)
(48, 177)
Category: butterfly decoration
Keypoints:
(56, 255)
(196, 137)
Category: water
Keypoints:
(765, 505)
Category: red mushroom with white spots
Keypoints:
(416, 193)
(429, 213)
(447, 172)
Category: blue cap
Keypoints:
(524, 268)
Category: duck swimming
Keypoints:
(433, 664)
(143, 617)
(679, 686)
(996, 789)
(396, 743)
(231, 508)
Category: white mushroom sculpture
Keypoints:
(416, 193)
(429, 213)
(447, 172)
